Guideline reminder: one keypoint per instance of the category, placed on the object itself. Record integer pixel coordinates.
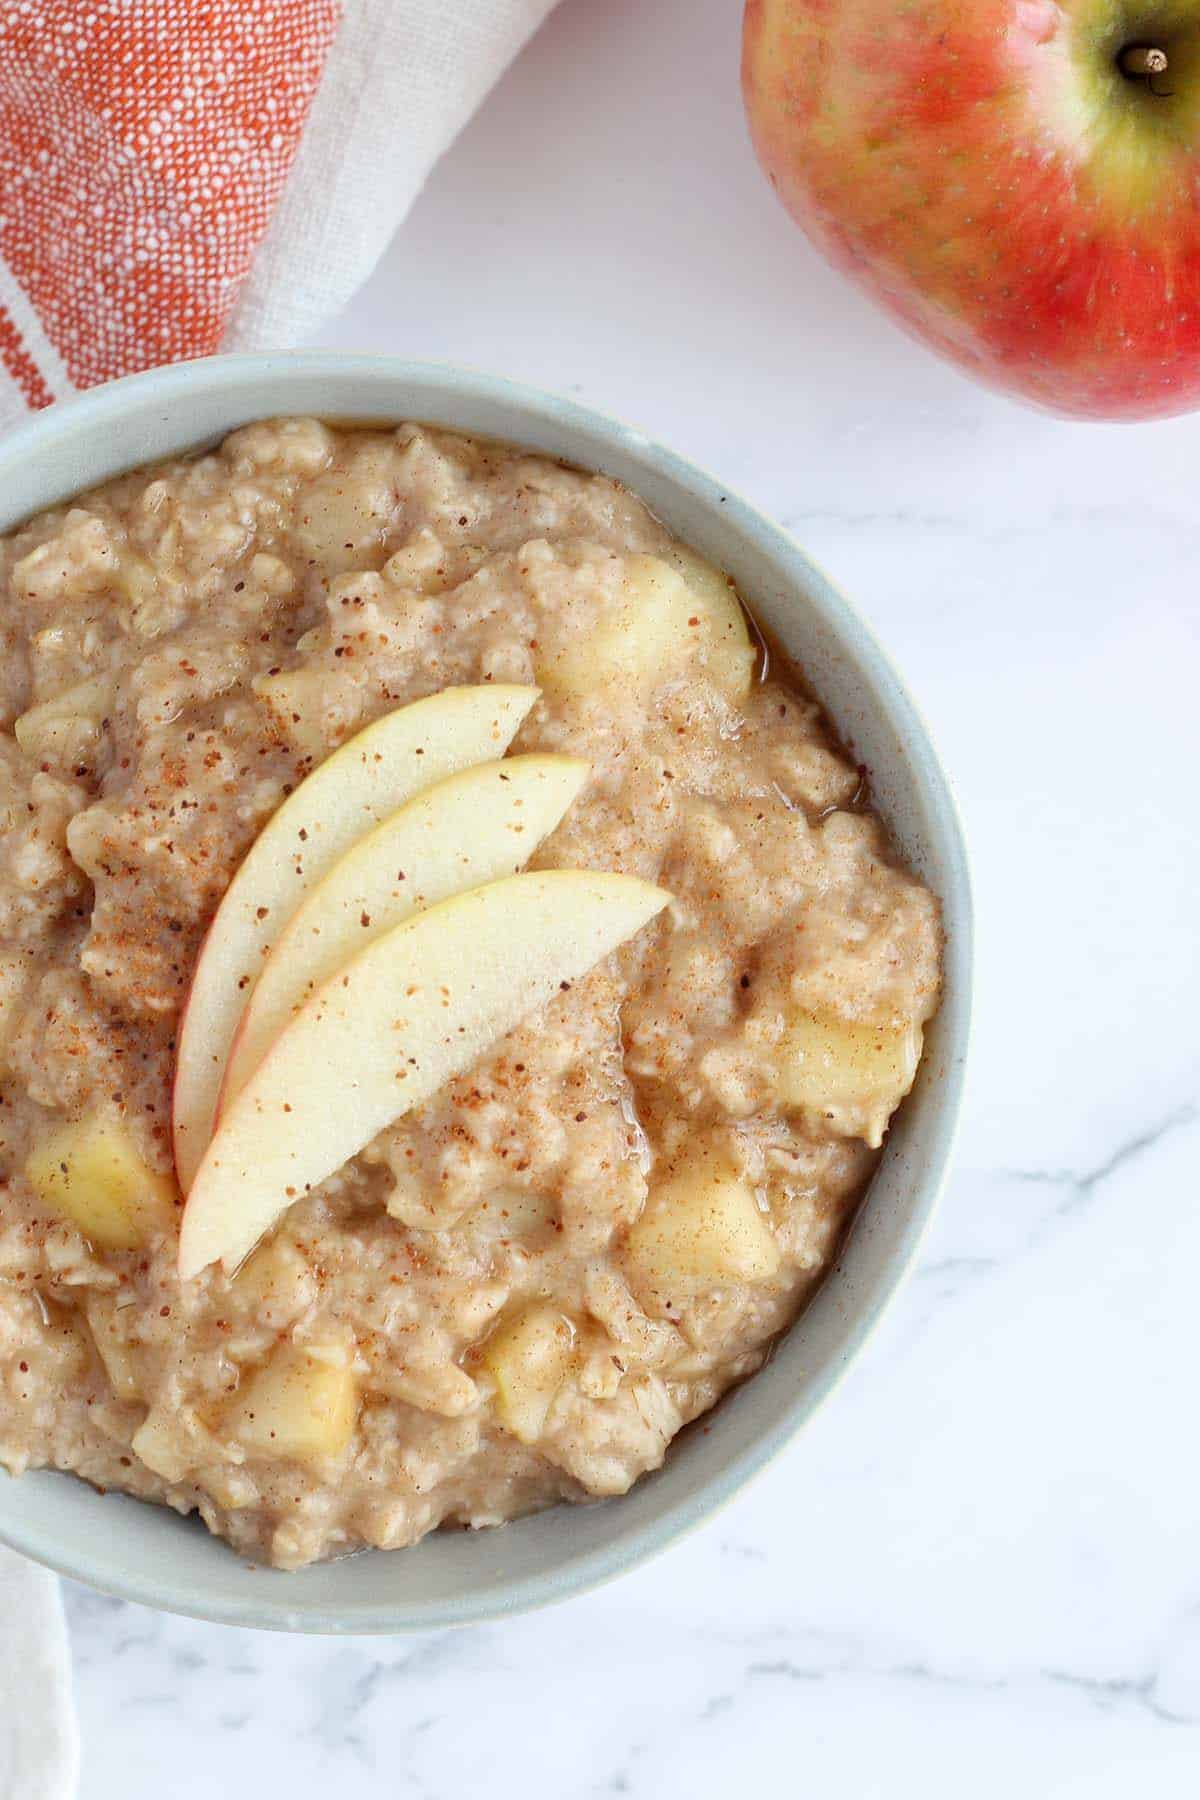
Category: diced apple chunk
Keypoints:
(294, 700)
(664, 616)
(302, 1404)
(161, 1442)
(65, 730)
(112, 1347)
(91, 1172)
(276, 1282)
(726, 645)
(174, 1439)
(529, 1357)
(830, 1066)
(702, 1226)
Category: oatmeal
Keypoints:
(521, 1289)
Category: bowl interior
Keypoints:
(148, 1554)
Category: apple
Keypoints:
(470, 829)
(363, 781)
(91, 1172)
(529, 1358)
(670, 610)
(413, 1010)
(1015, 181)
(701, 1226)
(113, 1346)
(302, 1403)
(851, 1077)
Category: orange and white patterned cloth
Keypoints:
(181, 176)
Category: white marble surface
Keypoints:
(978, 1572)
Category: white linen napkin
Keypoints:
(401, 81)
(217, 177)
(39, 1741)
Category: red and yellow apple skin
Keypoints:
(986, 170)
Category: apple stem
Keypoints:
(1142, 59)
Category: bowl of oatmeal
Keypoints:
(484, 989)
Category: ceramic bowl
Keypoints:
(149, 1554)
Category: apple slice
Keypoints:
(414, 1009)
(364, 780)
(471, 828)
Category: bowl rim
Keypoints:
(48, 434)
